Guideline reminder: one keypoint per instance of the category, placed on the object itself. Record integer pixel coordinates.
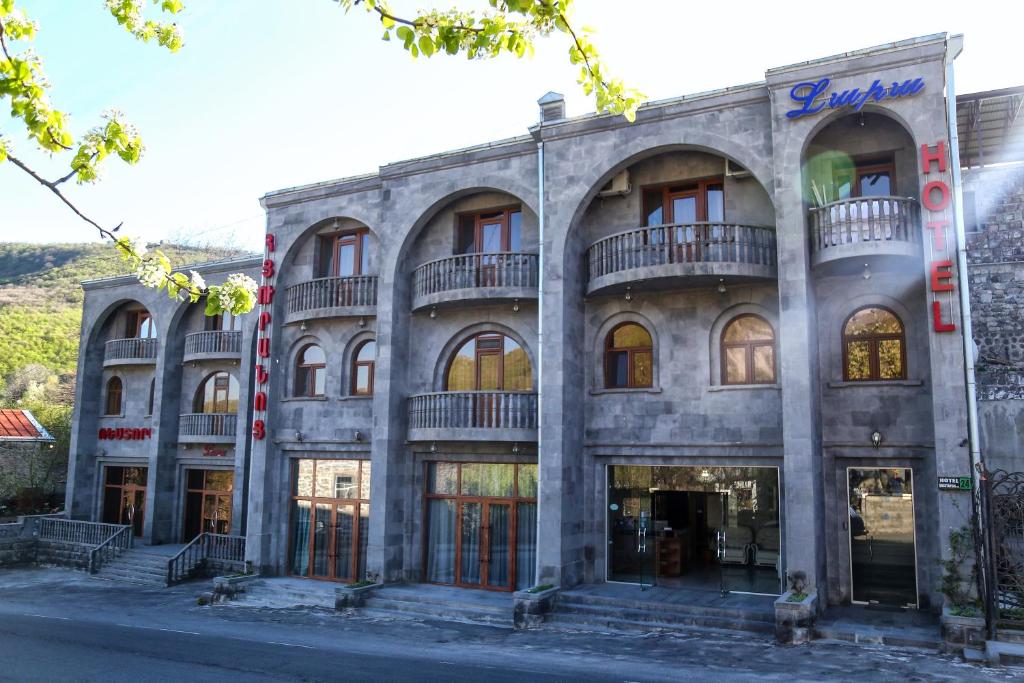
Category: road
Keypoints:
(61, 625)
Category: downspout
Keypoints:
(540, 330)
(955, 47)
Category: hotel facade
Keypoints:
(706, 350)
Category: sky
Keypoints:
(270, 94)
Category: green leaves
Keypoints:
(128, 13)
(510, 27)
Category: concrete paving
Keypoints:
(62, 625)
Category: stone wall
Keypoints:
(57, 554)
(994, 207)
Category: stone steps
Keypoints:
(872, 636)
(997, 652)
(138, 567)
(587, 611)
(1006, 635)
(445, 604)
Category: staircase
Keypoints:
(136, 566)
(443, 603)
(604, 607)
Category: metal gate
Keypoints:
(1004, 504)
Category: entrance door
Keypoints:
(124, 497)
(485, 548)
(631, 530)
(207, 502)
(882, 547)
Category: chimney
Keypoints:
(552, 107)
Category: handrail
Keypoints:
(213, 341)
(76, 531)
(332, 292)
(476, 270)
(473, 410)
(130, 348)
(120, 540)
(205, 546)
(864, 219)
(208, 424)
(698, 242)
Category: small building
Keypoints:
(23, 466)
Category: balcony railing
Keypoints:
(356, 291)
(132, 349)
(214, 342)
(208, 425)
(473, 410)
(476, 271)
(662, 245)
(864, 219)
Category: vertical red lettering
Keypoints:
(260, 402)
(265, 294)
(938, 229)
(263, 347)
(928, 157)
(264, 320)
(268, 268)
(941, 277)
(270, 241)
(261, 374)
(937, 319)
(259, 430)
(926, 196)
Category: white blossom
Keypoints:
(197, 280)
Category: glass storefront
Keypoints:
(481, 525)
(124, 496)
(882, 546)
(330, 519)
(714, 528)
(207, 502)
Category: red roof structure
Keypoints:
(20, 425)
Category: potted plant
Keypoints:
(796, 611)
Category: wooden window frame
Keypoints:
(748, 353)
(630, 352)
(867, 166)
(479, 221)
(215, 323)
(335, 241)
(107, 412)
(315, 500)
(199, 403)
(874, 374)
(152, 396)
(460, 499)
(693, 185)
(136, 319)
(477, 353)
(309, 390)
(125, 488)
(205, 491)
(356, 364)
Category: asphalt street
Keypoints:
(57, 625)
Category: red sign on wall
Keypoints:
(936, 198)
(125, 433)
(265, 298)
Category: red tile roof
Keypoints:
(18, 425)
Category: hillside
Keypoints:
(41, 300)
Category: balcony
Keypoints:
(331, 297)
(213, 344)
(473, 416)
(502, 276)
(133, 351)
(681, 256)
(208, 428)
(863, 227)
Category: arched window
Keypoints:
(874, 347)
(310, 371)
(628, 357)
(114, 391)
(363, 363)
(152, 396)
(489, 361)
(748, 351)
(217, 394)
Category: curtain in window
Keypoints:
(441, 541)
(343, 531)
(364, 537)
(526, 545)
(469, 570)
(499, 544)
(300, 538)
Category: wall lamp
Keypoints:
(298, 436)
(876, 438)
(629, 293)
(358, 436)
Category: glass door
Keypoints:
(124, 497)
(207, 502)
(883, 556)
(631, 533)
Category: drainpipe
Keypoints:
(955, 47)
(540, 331)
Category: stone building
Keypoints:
(705, 350)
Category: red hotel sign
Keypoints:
(265, 299)
(125, 433)
(936, 198)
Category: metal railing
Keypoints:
(864, 219)
(682, 243)
(473, 410)
(133, 348)
(332, 292)
(471, 271)
(214, 341)
(208, 424)
(220, 548)
(76, 531)
(115, 544)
